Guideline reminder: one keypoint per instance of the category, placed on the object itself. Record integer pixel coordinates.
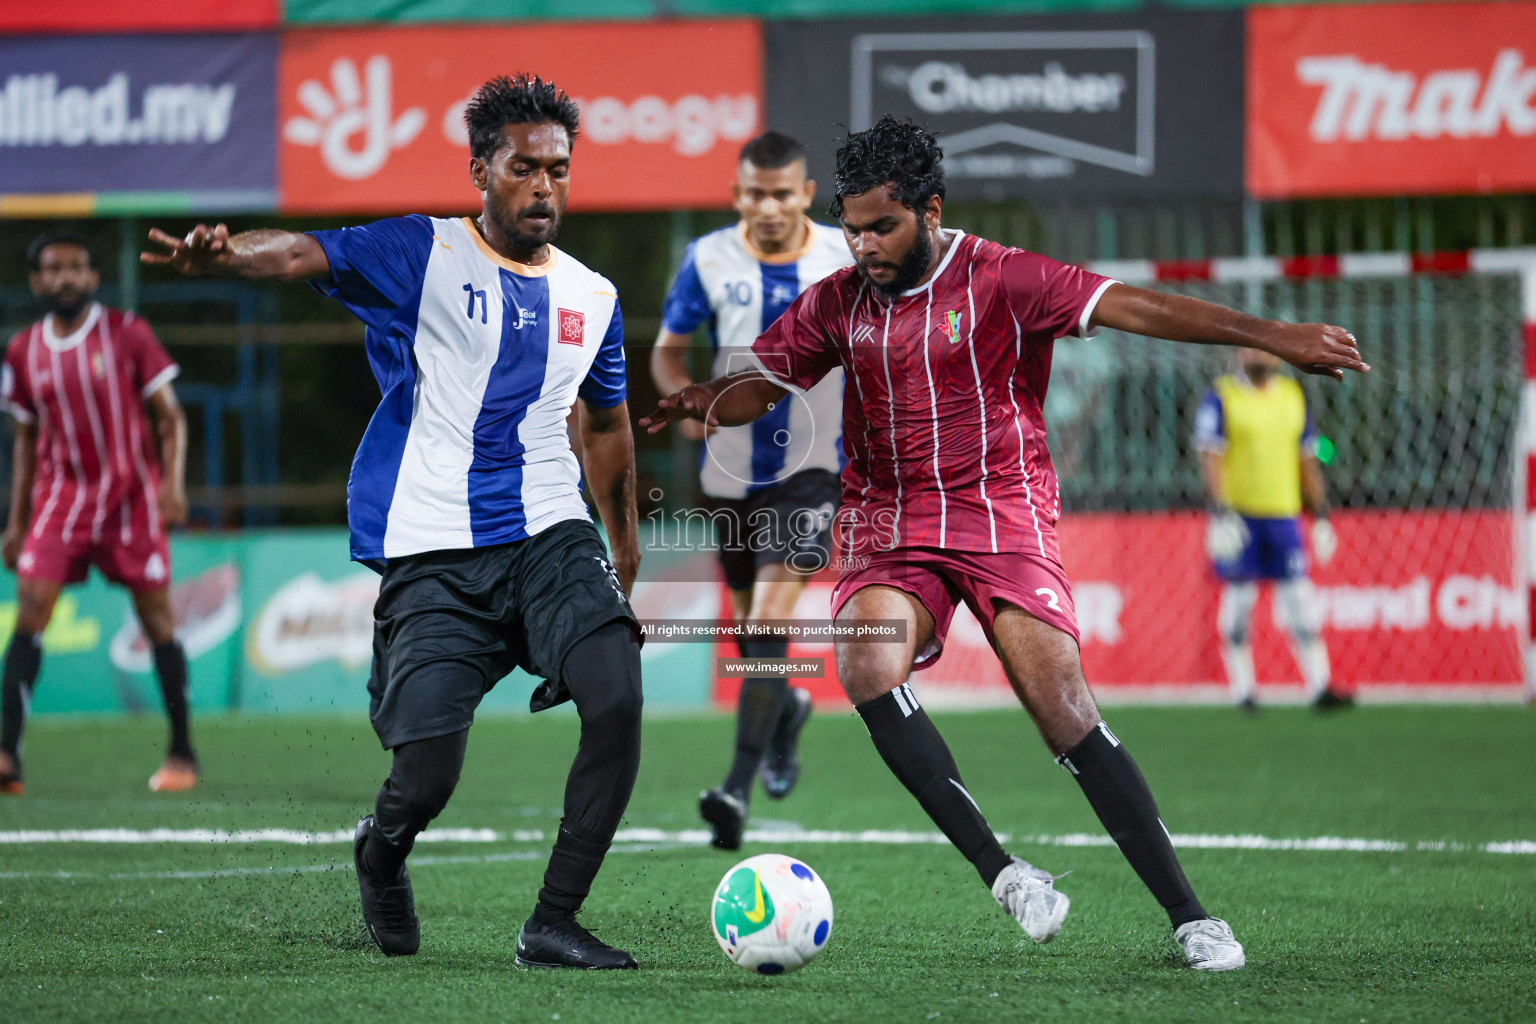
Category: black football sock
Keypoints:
(758, 710)
(421, 780)
(1119, 795)
(916, 753)
(602, 673)
(171, 670)
(22, 660)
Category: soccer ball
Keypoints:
(772, 914)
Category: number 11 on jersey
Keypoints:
(476, 293)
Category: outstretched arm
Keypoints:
(608, 454)
(728, 401)
(266, 254)
(1312, 348)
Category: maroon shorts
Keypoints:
(941, 579)
(141, 563)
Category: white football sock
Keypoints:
(1312, 658)
(1296, 606)
(1240, 675)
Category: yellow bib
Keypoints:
(1264, 428)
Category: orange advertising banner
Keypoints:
(28, 16)
(1391, 99)
(371, 120)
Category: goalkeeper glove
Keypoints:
(1325, 543)
(1225, 536)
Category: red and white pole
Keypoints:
(1525, 496)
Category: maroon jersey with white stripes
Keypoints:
(942, 420)
(98, 470)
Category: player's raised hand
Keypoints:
(695, 402)
(1320, 349)
(204, 251)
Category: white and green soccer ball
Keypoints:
(772, 914)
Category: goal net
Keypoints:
(1422, 457)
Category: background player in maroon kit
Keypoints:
(950, 495)
(93, 483)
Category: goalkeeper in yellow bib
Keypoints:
(1258, 456)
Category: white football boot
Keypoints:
(1209, 945)
(1029, 894)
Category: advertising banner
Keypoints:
(139, 113)
(21, 16)
(1146, 607)
(1068, 108)
(352, 12)
(1391, 99)
(280, 621)
(372, 121)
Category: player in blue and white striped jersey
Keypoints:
(772, 485)
(466, 496)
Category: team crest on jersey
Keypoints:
(950, 328)
(98, 367)
(572, 327)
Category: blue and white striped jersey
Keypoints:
(479, 360)
(740, 292)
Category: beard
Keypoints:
(911, 268)
(521, 238)
(67, 307)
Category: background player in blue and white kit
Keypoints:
(772, 485)
(465, 494)
(1258, 455)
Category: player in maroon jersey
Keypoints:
(950, 495)
(94, 482)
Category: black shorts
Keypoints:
(449, 625)
(789, 524)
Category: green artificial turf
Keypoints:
(106, 932)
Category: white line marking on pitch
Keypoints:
(261, 835)
(310, 869)
(696, 837)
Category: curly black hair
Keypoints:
(520, 99)
(58, 236)
(896, 152)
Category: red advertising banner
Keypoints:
(1391, 99)
(371, 120)
(22, 16)
(1413, 599)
